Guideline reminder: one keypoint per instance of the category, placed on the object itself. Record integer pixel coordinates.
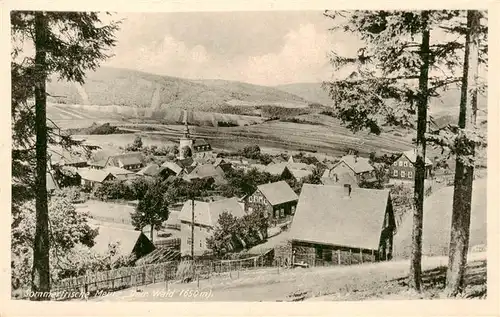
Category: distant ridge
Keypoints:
(124, 87)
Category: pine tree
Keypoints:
(392, 84)
(465, 147)
(66, 44)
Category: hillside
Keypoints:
(437, 222)
(312, 92)
(123, 87)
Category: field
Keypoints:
(437, 222)
(326, 136)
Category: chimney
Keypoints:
(347, 190)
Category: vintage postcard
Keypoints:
(175, 154)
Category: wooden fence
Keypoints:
(113, 280)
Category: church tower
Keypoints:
(186, 138)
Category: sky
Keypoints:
(266, 48)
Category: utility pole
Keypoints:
(192, 234)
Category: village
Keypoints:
(340, 212)
(318, 155)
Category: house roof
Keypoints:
(173, 166)
(128, 160)
(115, 170)
(357, 164)
(278, 168)
(412, 157)
(51, 182)
(328, 178)
(325, 215)
(299, 174)
(150, 170)
(126, 238)
(207, 213)
(185, 162)
(93, 175)
(274, 169)
(278, 192)
(206, 170)
(200, 142)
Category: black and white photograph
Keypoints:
(249, 156)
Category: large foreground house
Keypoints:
(350, 167)
(200, 150)
(404, 166)
(206, 216)
(277, 200)
(335, 224)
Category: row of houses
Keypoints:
(324, 219)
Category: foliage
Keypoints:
(73, 193)
(152, 208)
(98, 129)
(251, 152)
(300, 121)
(186, 152)
(315, 177)
(68, 229)
(139, 187)
(136, 145)
(114, 189)
(246, 232)
(402, 201)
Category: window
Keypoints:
(402, 173)
(395, 173)
(409, 174)
(250, 199)
(189, 241)
(400, 163)
(319, 252)
(405, 164)
(200, 244)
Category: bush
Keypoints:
(113, 190)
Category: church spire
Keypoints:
(186, 127)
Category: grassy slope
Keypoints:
(437, 222)
(309, 91)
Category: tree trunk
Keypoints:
(41, 271)
(418, 195)
(464, 173)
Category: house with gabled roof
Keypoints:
(357, 167)
(129, 161)
(298, 170)
(93, 177)
(119, 173)
(151, 170)
(404, 166)
(130, 243)
(206, 216)
(342, 225)
(277, 200)
(207, 171)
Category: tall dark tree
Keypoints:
(465, 147)
(152, 209)
(397, 70)
(66, 44)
